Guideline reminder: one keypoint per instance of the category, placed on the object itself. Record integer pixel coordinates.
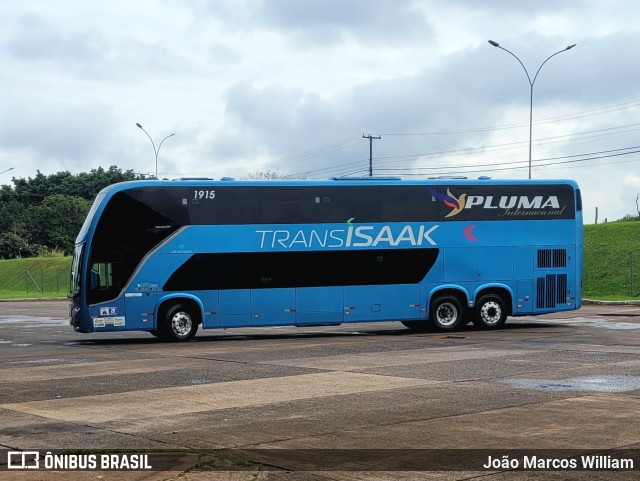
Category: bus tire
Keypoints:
(180, 324)
(490, 312)
(446, 313)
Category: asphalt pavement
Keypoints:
(360, 401)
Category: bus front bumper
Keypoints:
(75, 318)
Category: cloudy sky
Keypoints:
(292, 85)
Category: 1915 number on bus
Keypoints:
(204, 194)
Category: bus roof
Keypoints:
(345, 182)
(335, 181)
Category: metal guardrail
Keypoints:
(633, 282)
(54, 281)
(615, 273)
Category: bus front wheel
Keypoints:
(179, 324)
(446, 313)
(490, 312)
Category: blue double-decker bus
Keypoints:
(169, 256)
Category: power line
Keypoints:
(577, 115)
(514, 166)
(355, 140)
(327, 149)
(331, 168)
(504, 146)
(320, 150)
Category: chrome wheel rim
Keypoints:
(181, 324)
(446, 314)
(491, 313)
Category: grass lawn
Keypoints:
(39, 277)
(608, 253)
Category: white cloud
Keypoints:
(292, 85)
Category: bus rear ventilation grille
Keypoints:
(551, 290)
(552, 258)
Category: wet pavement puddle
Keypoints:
(599, 383)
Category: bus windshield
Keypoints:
(74, 281)
(126, 231)
(92, 212)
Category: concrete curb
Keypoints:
(29, 299)
(612, 303)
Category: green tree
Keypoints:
(7, 194)
(34, 190)
(12, 246)
(87, 185)
(50, 209)
(56, 221)
(12, 218)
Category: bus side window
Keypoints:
(101, 277)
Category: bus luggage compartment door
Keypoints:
(378, 303)
(271, 307)
(235, 308)
(319, 305)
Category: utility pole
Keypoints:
(371, 139)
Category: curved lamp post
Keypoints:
(531, 83)
(155, 151)
(7, 170)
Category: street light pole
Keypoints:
(10, 168)
(531, 83)
(155, 151)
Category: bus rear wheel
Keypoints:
(446, 313)
(490, 312)
(179, 324)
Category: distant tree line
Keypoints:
(44, 214)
